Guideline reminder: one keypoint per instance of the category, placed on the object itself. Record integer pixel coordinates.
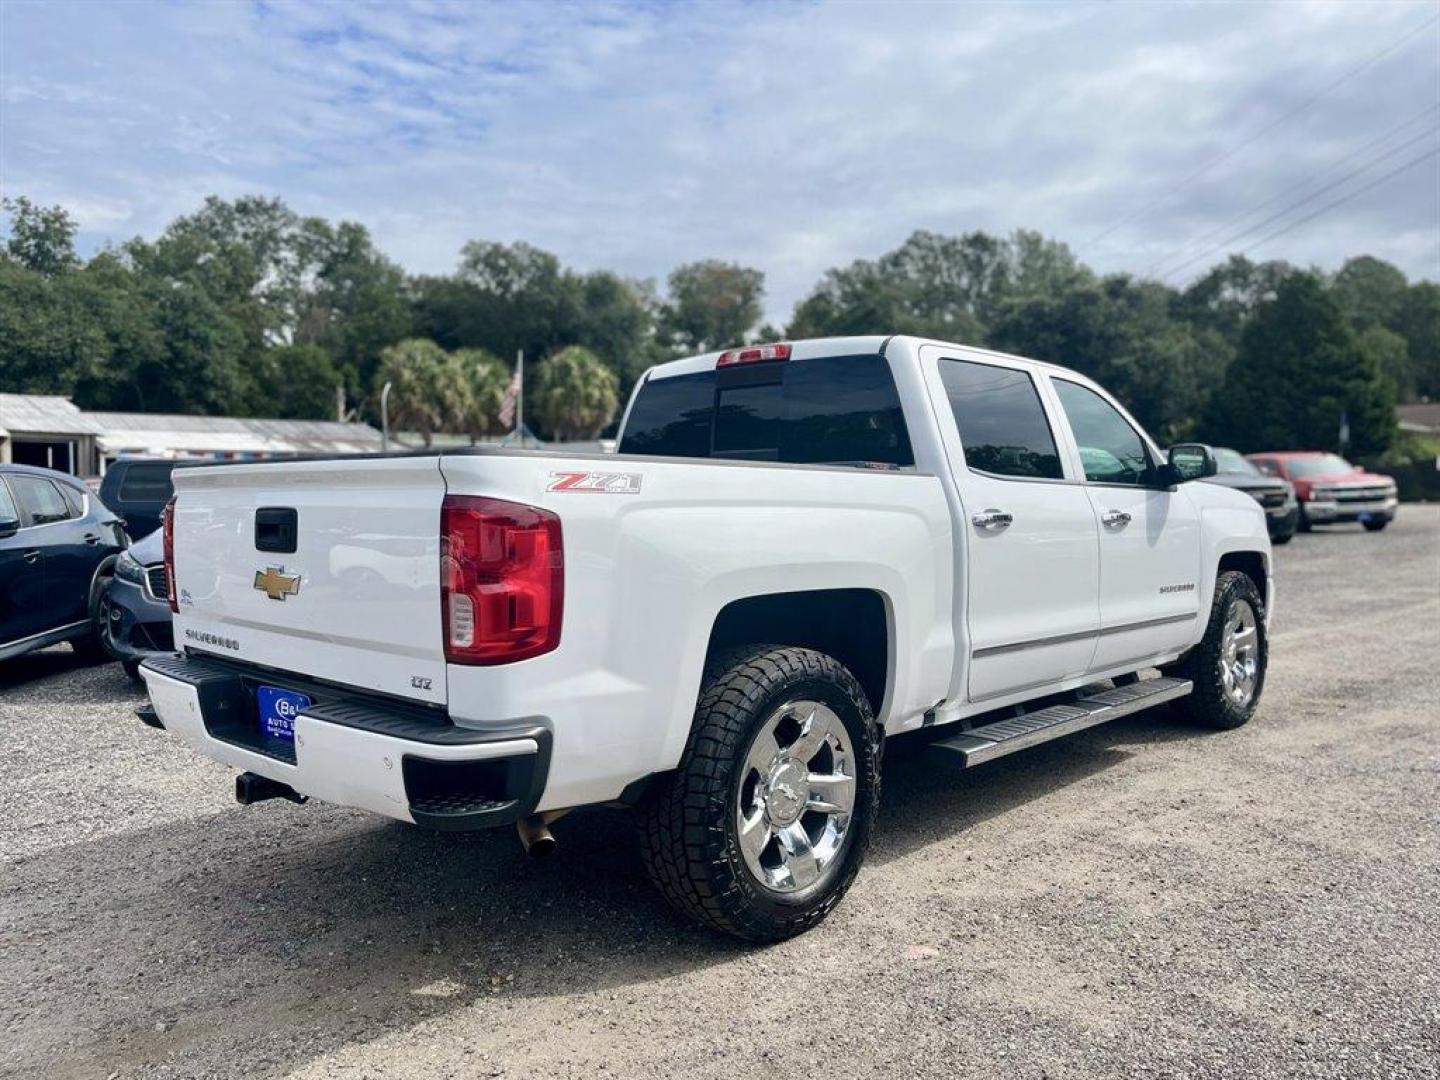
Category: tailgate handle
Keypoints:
(277, 528)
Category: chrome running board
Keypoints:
(1001, 737)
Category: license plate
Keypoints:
(278, 709)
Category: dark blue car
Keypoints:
(58, 544)
(134, 614)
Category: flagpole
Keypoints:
(520, 396)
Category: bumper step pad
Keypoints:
(1001, 737)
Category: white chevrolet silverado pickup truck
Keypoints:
(799, 550)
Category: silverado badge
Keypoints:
(275, 583)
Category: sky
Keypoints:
(792, 137)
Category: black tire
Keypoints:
(1282, 538)
(91, 648)
(1209, 705)
(1302, 524)
(1375, 524)
(132, 668)
(688, 824)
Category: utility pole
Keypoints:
(520, 396)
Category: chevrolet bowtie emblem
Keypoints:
(275, 583)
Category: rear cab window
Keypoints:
(146, 482)
(830, 410)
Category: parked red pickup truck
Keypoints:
(1332, 490)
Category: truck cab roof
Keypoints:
(808, 348)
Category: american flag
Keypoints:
(512, 394)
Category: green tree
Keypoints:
(1418, 322)
(573, 395)
(1300, 370)
(49, 334)
(295, 382)
(947, 287)
(487, 378)
(424, 387)
(1370, 292)
(41, 238)
(712, 304)
(1120, 333)
(1391, 357)
(1224, 299)
(352, 301)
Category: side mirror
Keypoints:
(8, 527)
(1190, 461)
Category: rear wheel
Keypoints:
(1228, 666)
(763, 827)
(1376, 524)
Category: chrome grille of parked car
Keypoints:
(1362, 494)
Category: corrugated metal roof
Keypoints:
(44, 414)
(158, 433)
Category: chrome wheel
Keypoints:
(796, 796)
(1240, 653)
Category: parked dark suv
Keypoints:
(57, 545)
(137, 489)
(1276, 495)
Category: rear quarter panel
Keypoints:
(648, 571)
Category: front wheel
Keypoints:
(1228, 666)
(91, 648)
(1376, 524)
(763, 827)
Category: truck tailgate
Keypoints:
(356, 599)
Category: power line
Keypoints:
(1252, 229)
(1210, 234)
(1343, 199)
(1346, 77)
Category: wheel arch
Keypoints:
(1252, 564)
(855, 626)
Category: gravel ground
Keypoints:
(1139, 900)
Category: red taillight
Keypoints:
(168, 524)
(753, 354)
(502, 580)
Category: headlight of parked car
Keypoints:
(127, 568)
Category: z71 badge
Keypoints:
(595, 483)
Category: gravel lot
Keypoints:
(1139, 900)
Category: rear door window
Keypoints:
(41, 500)
(146, 482)
(8, 512)
(826, 410)
(1002, 423)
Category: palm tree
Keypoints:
(487, 378)
(574, 394)
(429, 393)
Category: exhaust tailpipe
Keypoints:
(252, 788)
(535, 835)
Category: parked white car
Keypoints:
(798, 550)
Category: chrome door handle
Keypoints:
(1116, 519)
(992, 519)
(31, 557)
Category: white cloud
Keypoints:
(790, 137)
